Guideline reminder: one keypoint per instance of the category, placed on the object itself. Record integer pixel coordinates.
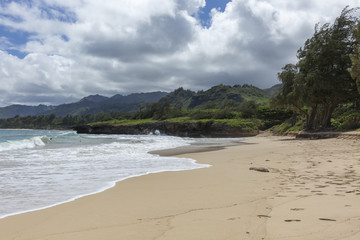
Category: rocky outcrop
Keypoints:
(181, 129)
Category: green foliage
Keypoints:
(273, 116)
(125, 121)
(160, 111)
(348, 122)
(53, 122)
(320, 80)
(215, 97)
(221, 94)
(355, 58)
(178, 97)
(179, 119)
(287, 127)
(31, 122)
(251, 93)
(224, 113)
(248, 109)
(202, 114)
(246, 124)
(346, 117)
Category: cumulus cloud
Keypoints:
(77, 48)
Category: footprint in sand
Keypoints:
(351, 191)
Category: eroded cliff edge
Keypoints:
(183, 129)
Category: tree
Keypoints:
(355, 58)
(320, 80)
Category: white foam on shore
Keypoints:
(85, 165)
(109, 186)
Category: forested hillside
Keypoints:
(216, 96)
(239, 104)
(92, 104)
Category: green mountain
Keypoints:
(23, 110)
(273, 90)
(179, 97)
(92, 104)
(216, 96)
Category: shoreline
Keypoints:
(198, 147)
(311, 192)
(192, 148)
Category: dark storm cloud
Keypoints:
(162, 35)
(36, 99)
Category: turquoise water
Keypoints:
(39, 169)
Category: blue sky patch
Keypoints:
(17, 53)
(204, 13)
(16, 39)
(16, 19)
(25, 2)
(65, 38)
(58, 13)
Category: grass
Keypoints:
(125, 122)
(287, 127)
(247, 124)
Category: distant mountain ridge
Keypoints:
(274, 89)
(92, 104)
(214, 97)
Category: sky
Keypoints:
(58, 51)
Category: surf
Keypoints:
(33, 142)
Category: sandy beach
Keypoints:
(312, 191)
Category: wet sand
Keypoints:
(312, 191)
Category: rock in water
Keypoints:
(259, 169)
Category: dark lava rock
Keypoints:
(183, 129)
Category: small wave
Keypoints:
(68, 133)
(33, 142)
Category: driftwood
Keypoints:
(327, 219)
(259, 169)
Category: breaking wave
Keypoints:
(33, 142)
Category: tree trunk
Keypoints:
(310, 119)
(326, 122)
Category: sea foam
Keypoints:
(33, 142)
(50, 168)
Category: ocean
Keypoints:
(40, 169)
